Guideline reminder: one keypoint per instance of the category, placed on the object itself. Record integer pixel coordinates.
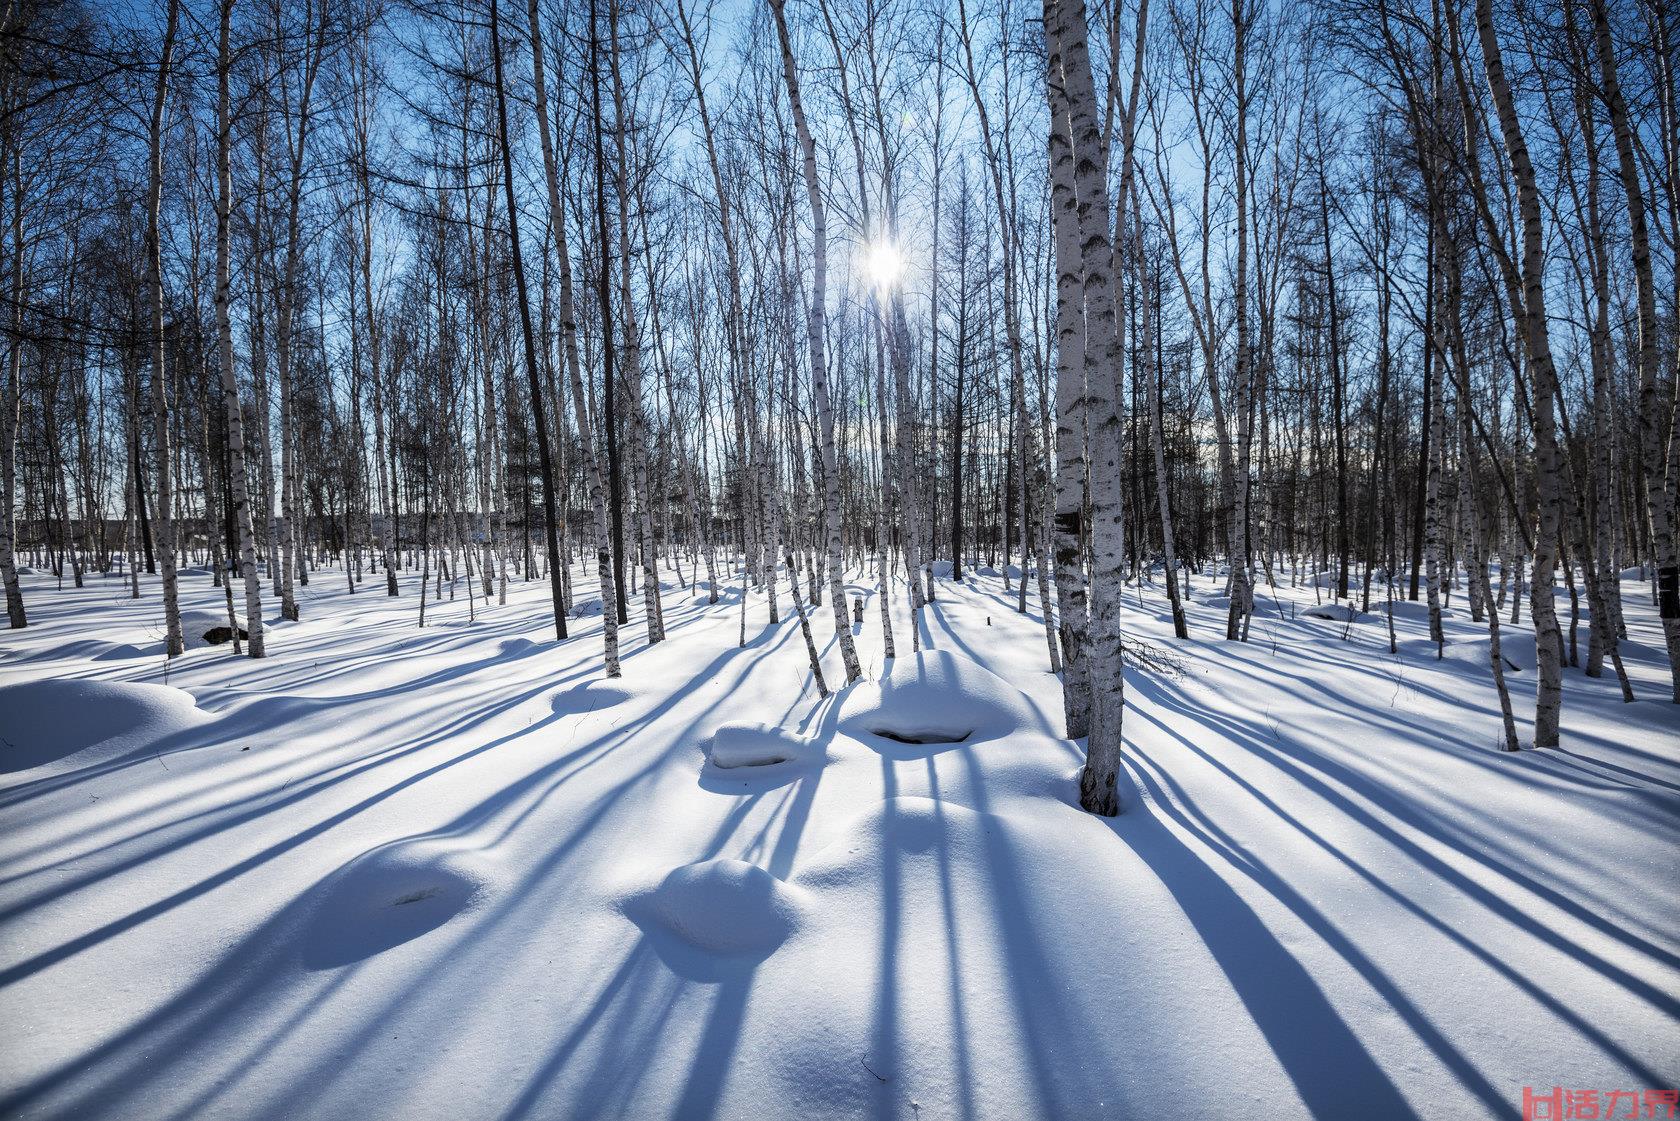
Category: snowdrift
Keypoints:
(1409, 608)
(757, 745)
(1337, 612)
(47, 722)
(389, 896)
(459, 872)
(934, 700)
(208, 628)
(720, 907)
(1516, 648)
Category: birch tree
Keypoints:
(815, 327)
(173, 643)
(224, 331)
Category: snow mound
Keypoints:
(25, 570)
(893, 828)
(1631, 649)
(930, 840)
(1413, 609)
(97, 650)
(118, 651)
(587, 696)
(756, 745)
(933, 699)
(1633, 573)
(1263, 604)
(43, 722)
(391, 895)
(1340, 612)
(1516, 647)
(586, 608)
(904, 824)
(208, 628)
(941, 569)
(721, 907)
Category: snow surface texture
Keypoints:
(207, 628)
(427, 874)
(931, 701)
(1337, 612)
(720, 906)
(757, 745)
(389, 896)
(54, 720)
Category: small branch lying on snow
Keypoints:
(1155, 659)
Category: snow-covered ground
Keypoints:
(453, 873)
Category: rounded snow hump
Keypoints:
(42, 722)
(708, 921)
(747, 745)
(391, 895)
(200, 628)
(931, 701)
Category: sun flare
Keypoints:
(883, 264)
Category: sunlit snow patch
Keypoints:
(932, 701)
(708, 918)
(757, 745)
(210, 628)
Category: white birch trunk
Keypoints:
(165, 517)
(574, 373)
(224, 332)
(1536, 337)
(815, 324)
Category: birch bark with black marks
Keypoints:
(173, 643)
(1072, 94)
(224, 332)
(539, 413)
(635, 407)
(1660, 480)
(1072, 590)
(815, 325)
(581, 411)
(1537, 343)
(1243, 388)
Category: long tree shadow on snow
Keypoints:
(1326, 778)
(253, 975)
(1230, 850)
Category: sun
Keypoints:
(883, 264)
